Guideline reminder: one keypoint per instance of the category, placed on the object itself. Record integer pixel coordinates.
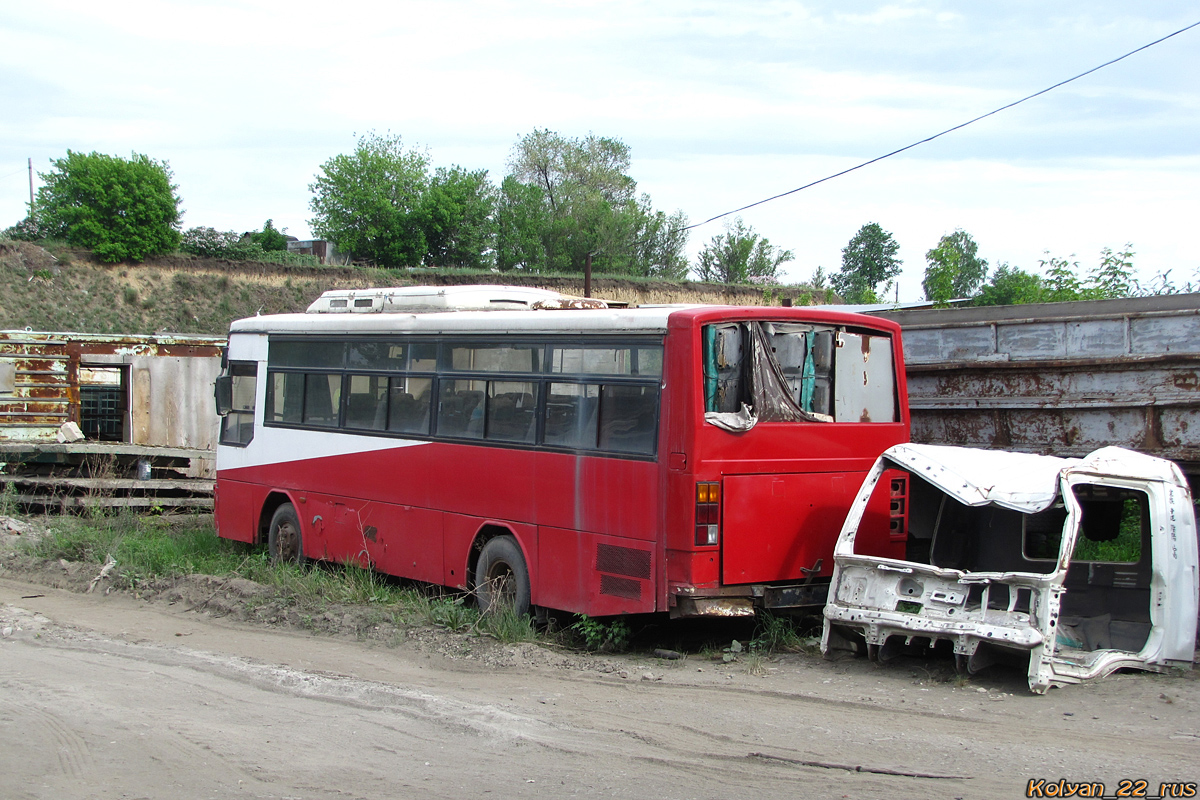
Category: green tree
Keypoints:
(269, 238)
(371, 202)
(522, 220)
(1010, 286)
(1062, 283)
(740, 254)
(1163, 283)
(954, 270)
(577, 200)
(868, 260)
(1114, 276)
(574, 171)
(458, 211)
(120, 209)
(658, 242)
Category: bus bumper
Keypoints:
(742, 601)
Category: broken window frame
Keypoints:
(764, 391)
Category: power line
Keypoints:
(948, 130)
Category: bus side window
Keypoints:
(627, 418)
(571, 415)
(460, 408)
(285, 397)
(322, 399)
(237, 427)
(511, 411)
(366, 402)
(409, 405)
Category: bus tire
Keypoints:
(285, 542)
(501, 577)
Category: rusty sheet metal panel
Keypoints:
(40, 400)
(172, 401)
(1059, 378)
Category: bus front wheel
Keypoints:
(501, 577)
(285, 543)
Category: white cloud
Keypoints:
(724, 103)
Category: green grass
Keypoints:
(8, 500)
(148, 548)
(775, 633)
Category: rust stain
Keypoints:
(44, 392)
(1003, 433)
(1186, 380)
(22, 404)
(1154, 435)
(33, 364)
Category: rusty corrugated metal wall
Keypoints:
(1060, 378)
(45, 388)
(168, 378)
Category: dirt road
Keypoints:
(113, 697)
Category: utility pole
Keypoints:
(587, 276)
(30, 187)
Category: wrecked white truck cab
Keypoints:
(1086, 565)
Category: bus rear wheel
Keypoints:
(285, 543)
(501, 577)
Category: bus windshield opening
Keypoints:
(792, 372)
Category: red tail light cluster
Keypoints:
(708, 513)
(898, 508)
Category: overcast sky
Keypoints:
(722, 103)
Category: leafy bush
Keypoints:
(602, 637)
(208, 242)
(27, 230)
(232, 246)
(121, 210)
(270, 239)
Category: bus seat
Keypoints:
(472, 413)
(362, 411)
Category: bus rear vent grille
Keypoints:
(620, 587)
(623, 561)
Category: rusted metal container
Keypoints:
(165, 382)
(1059, 378)
(144, 404)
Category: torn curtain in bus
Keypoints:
(770, 395)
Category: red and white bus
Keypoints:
(690, 459)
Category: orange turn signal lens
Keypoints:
(708, 492)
